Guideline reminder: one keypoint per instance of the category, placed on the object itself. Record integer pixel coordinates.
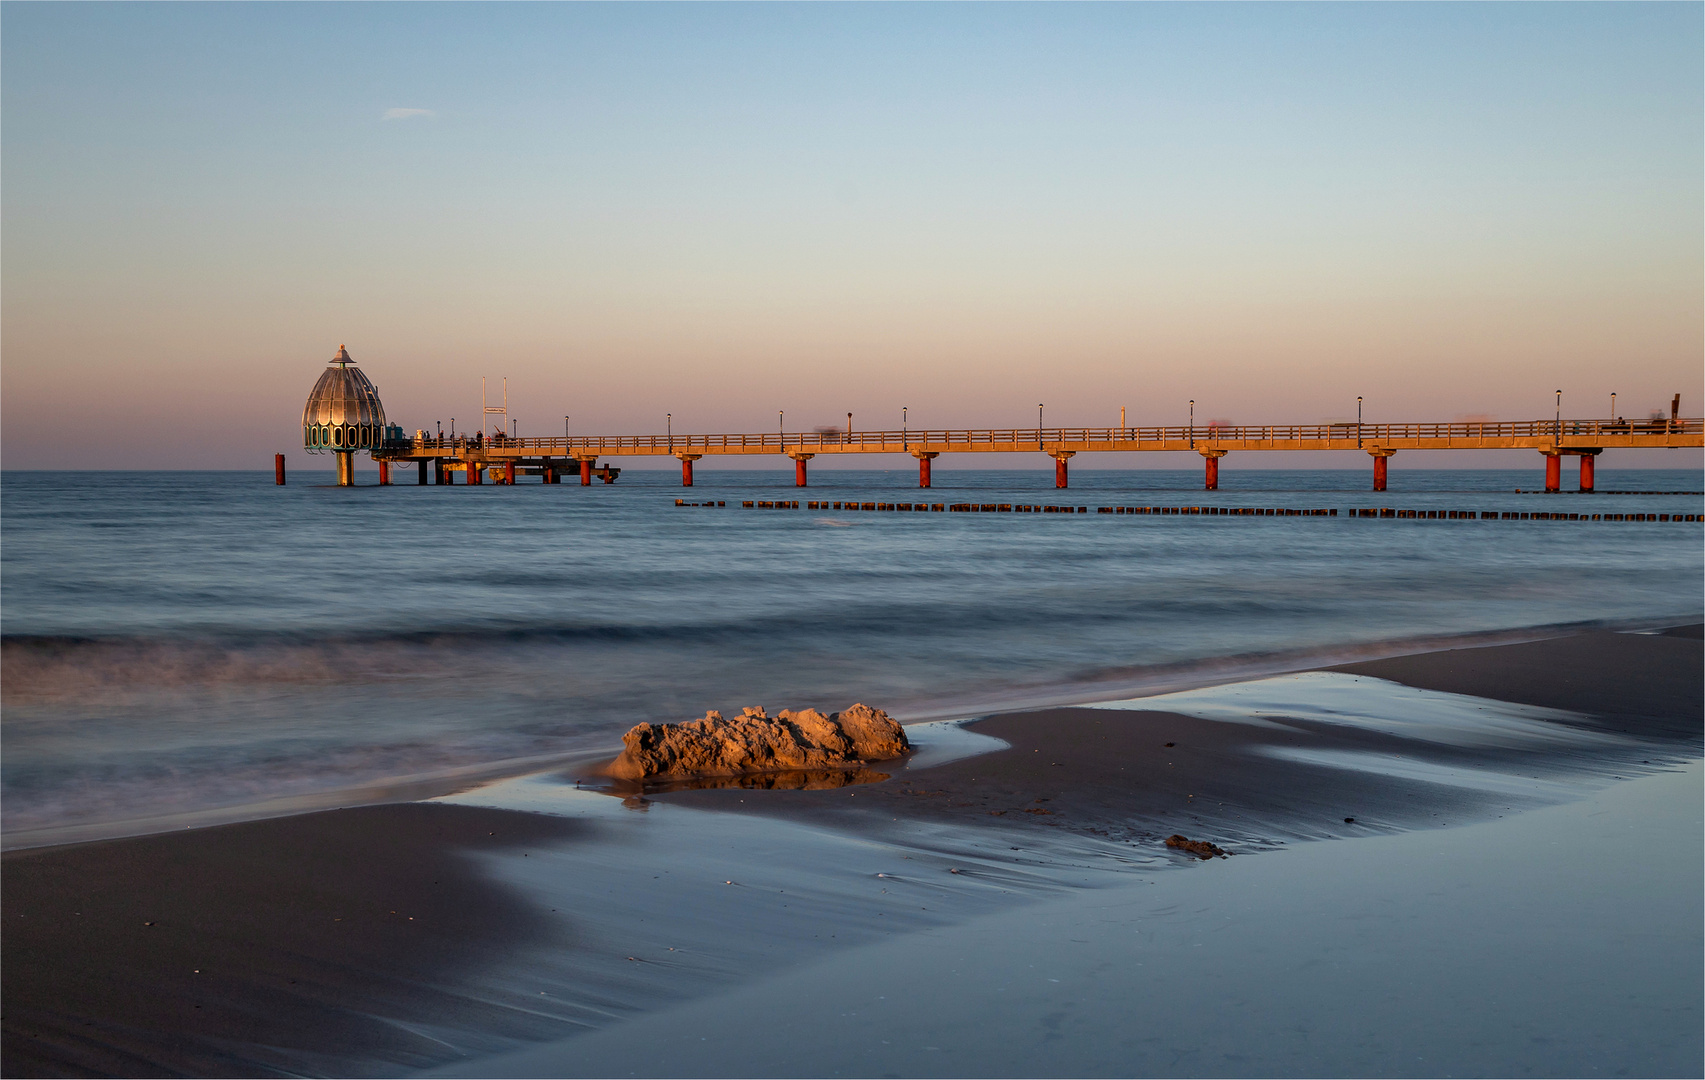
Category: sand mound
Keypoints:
(753, 742)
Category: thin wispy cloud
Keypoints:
(407, 114)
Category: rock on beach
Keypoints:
(754, 742)
(1202, 849)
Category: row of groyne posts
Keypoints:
(1198, 511)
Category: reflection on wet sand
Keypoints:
(633, 792)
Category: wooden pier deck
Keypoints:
(553, 456)
(1541, 435)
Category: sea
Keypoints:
(206, 643)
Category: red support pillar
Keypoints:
(923, 469)
(443, 473)
(686, 471)
(278, 469)
(1587, 471)
(799, 460)
(509, 471)
(476, 472)
(1553, 472)
(384, 472)
(1211, 468)
(585, 472)
(1059, 471)
(1380, 457)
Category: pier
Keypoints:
(504, 457)
(344, 417)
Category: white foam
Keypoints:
(1407, 768)
(942, 741)
(1378, 705)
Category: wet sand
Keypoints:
(1461, 952)
(382, 940)
(1138, 776)
(264, 948)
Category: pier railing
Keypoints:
(1456, 435)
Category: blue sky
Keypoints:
(724, 210)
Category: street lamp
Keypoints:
(781, 428)
(669, 427)
(903, 443)
(1192, 423)
(849, 427)
(1038, 423)
(1358, 420)
(1557, 430)
(565, 431)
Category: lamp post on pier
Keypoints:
(669, 427)
(1192, 423)
(1038, 425)
(1358, 421)
(904, 445)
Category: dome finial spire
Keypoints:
(342, 356)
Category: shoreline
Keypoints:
(1465, 952)
(385, 939)
(1146, 681)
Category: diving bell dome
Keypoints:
(343, 412)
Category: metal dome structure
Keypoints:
(343, 411)
(343, 415)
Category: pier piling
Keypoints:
(1211, 468)
(278, 469)
(1380, 455)
(1060, 457)
(1553, 471)
(924, 458)
(1587, 469)
(686, 468)
(799, 460)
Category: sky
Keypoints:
(722, 211)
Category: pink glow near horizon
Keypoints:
(719, 213)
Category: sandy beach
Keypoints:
(1540, 830)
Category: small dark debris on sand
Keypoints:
(1199, 848)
